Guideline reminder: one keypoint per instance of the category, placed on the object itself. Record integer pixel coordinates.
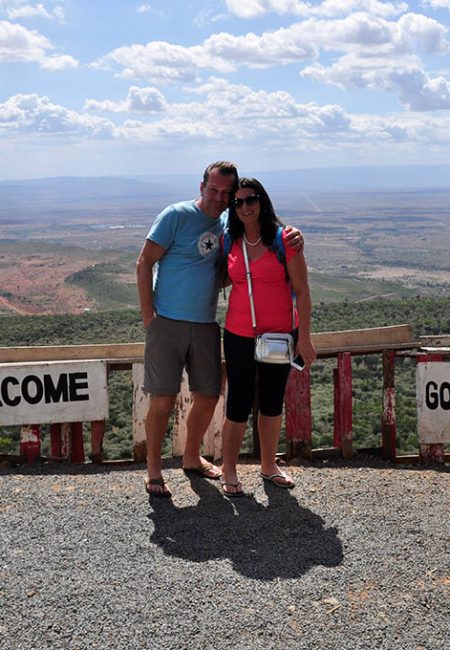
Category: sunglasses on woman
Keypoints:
(249, 200)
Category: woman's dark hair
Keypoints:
(268, 220)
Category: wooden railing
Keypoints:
(66, 440)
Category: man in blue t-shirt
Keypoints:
(178, 308)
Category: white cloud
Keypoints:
(406, 78)
(20, 44)
(419, 92)
(35, 114)
(19, 9)
(207, 16)
(162, 62)
(361, 33)
(224, 111)
(59, 62)
(389, 64)
(370, 45)
(374, 35)
(27, 11)
(327, 8)
(251, 108)
(436, 4)
(156, 62)
(421, 32)
(408, 130)
(172, 131)
(279, 47)
(378, 54)
(139, 100)
(275, 122)
(232, 116)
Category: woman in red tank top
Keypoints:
(253, 224)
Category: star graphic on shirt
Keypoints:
(207, 243)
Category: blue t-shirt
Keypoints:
(185, 284)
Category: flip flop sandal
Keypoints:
(158, 493)
(272, 478)
(202, 471)
(241, 493)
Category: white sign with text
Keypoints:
(53, 392)
(433, 402)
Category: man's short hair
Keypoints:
(225, 167)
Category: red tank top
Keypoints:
(271, 293)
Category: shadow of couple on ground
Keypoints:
(279, 540)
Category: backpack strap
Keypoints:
(223, 261)
(226, 243)
(279, 249)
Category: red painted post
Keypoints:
(388, 423)
(344, 399)
(66, 440)
(337, 424)
(97, 434)
(433, 452)
(298, 414)
(77, 450)
(30, 442)
(55, 440)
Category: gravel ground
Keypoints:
(356, 556)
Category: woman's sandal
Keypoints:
(208, 470)
(286, 482)
(238, 493)
(164, 492)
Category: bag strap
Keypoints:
(249, 284)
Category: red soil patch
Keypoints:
(34, 284)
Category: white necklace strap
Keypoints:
(249, 284)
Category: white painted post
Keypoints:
(182, 406)
(212, 441)
(141, 402)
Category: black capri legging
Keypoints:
(242, 370)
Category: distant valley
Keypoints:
(70, 245)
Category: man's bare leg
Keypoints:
(199, 417)
(156, 423)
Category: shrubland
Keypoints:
(427, 316)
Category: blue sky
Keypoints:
(166, 86)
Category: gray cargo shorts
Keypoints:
(171, 345)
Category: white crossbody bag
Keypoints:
(271, 347)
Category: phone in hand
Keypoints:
(298, 362)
